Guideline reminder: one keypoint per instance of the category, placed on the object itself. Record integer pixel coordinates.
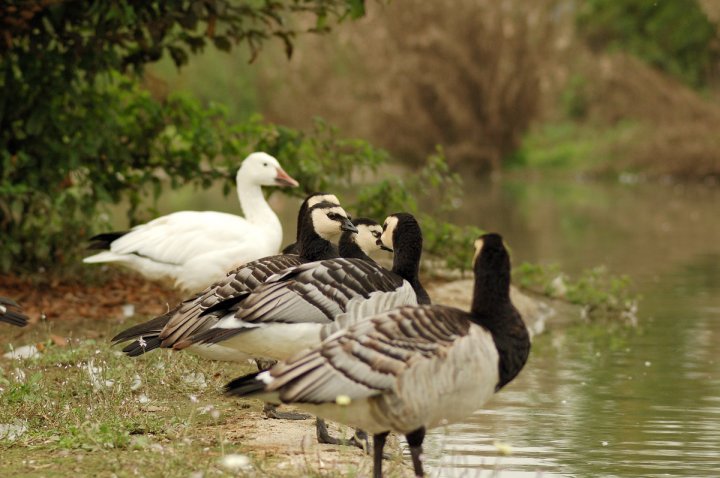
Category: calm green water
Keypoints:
(598, 400)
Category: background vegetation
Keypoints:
(79, 131)
(116, 102)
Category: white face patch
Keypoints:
(478, 247)
(367, 237)
(331, 198)
(387, 235)
(327, 224)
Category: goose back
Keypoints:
(203, 310)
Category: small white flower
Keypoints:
(195, 379)
(136, 383)
(19, 375)
(143, 399)
(128, 310)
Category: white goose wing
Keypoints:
(371, 357)
(317, 292)
(179, 237)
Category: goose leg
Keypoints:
(378, 445)
(415, 440)
(271, 411)
(323, 436)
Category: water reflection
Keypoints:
(596, 402)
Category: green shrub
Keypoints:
(77, 132)
(676, 37)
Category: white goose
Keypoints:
(409, 369)
(11, 312)
(196, 248)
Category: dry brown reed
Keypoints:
(413, 74)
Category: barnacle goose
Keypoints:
(409, 369)
(195, 248)
(11, 313)
(298, 307)
(319, 224)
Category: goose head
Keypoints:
(368, 234)
(402, 235)
(264, 170)
(313, 200)
(329, 220)
(316, 198)
(398, 230)
(491, 261)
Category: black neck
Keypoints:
(350, 249)
(301, 220)
(492, 286)
(406, 264)
(311, 246)
(492, 309)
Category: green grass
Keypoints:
(571, 146)
(88, 410)
(600, 294)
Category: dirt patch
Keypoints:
(116, 296)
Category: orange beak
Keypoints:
(284, 179)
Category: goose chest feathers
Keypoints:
(195, 248)
(412, 368)
(298, 307)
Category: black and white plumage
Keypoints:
(412, 368)
(359, 245)
(11, 313)
(320, 223)
(300, 306)
(310, 201)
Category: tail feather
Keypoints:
(103, 241)
(142, 346)
(11, 313)
(246, 385)
(150, 328)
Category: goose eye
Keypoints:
(376, 234)
(265, 164)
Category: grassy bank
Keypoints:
(81, 408)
